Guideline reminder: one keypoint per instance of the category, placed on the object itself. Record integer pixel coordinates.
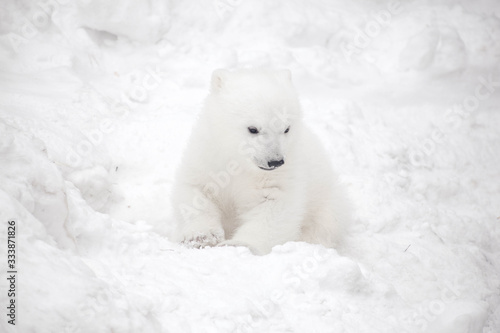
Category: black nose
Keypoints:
(275, 164)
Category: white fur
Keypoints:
(223, 197)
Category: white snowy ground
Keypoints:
(97, 99)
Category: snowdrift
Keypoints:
(98, 98)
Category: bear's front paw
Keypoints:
(202, 239)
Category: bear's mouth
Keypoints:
(268, 169)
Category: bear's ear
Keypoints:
(285, 75)
(219, 78)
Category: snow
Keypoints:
(98, 98)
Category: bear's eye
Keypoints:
(287, 129)
(253, 130)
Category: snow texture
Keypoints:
(97, 100)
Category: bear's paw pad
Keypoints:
(201, 240)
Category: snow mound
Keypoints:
(144, 21)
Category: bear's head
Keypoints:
(254, 115)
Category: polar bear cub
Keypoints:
(253, 174)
